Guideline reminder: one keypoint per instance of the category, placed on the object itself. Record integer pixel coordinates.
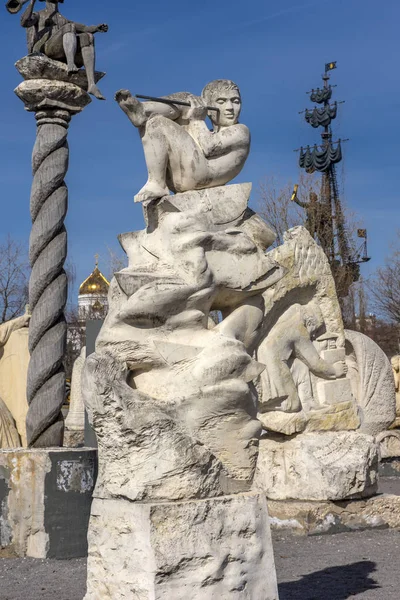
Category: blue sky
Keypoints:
(275, 51)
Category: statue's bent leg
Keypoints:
(168, 148)
(63, 46)
(86, 47)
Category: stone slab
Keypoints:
(318, 518)
(318, 466)
(45, 499)
(39, 66)
(202, 550)
(334, 392)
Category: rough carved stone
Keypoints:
(184, 264)
(214, 548)
(316, 518)
(318, 466)
(170, 396)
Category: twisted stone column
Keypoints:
(49, 93)
(48, 286)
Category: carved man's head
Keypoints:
(225, 95)
(313, 319)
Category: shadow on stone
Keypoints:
(335, 583)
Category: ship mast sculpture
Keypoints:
(325, 217)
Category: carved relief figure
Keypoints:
(181, 152)
(290, 338)
(50, 33)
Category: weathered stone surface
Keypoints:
(372, 382)
(39, 94)
(178, 381)
(318, 466)
(336, 417)
(39, 66)
(45, 498)
(342, 416)
(74, 439)
(169, 394)
(316, 518)
(389, 444)
(202, 550)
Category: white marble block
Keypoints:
(198, 550)
(318, 466)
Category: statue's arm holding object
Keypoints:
(306, 352)
(29, 18)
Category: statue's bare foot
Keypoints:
(131, 107)
(151, 191)
(72, 68)
(94, 90)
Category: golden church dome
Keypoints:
(96, 284)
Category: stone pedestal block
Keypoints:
(318, 466)
(334, 392)
(45, 499)
(202, 550)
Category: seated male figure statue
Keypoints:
(181, 153)
(60, 39)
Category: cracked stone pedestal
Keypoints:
(199, 549)
(45, 499)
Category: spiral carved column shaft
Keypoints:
(48, 287)
(49, 92)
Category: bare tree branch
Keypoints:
(14, 276)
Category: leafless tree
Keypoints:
(14, 276)
(384, 286)
(276, 207)
(117, 260)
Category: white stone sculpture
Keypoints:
(75, 421)
(334, 465)
(372, 382)
(13, 373)
(181, 153)
(169, 393)
(309, 401)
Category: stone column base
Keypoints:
(318, 466)
(196, 550)
(45, 499)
